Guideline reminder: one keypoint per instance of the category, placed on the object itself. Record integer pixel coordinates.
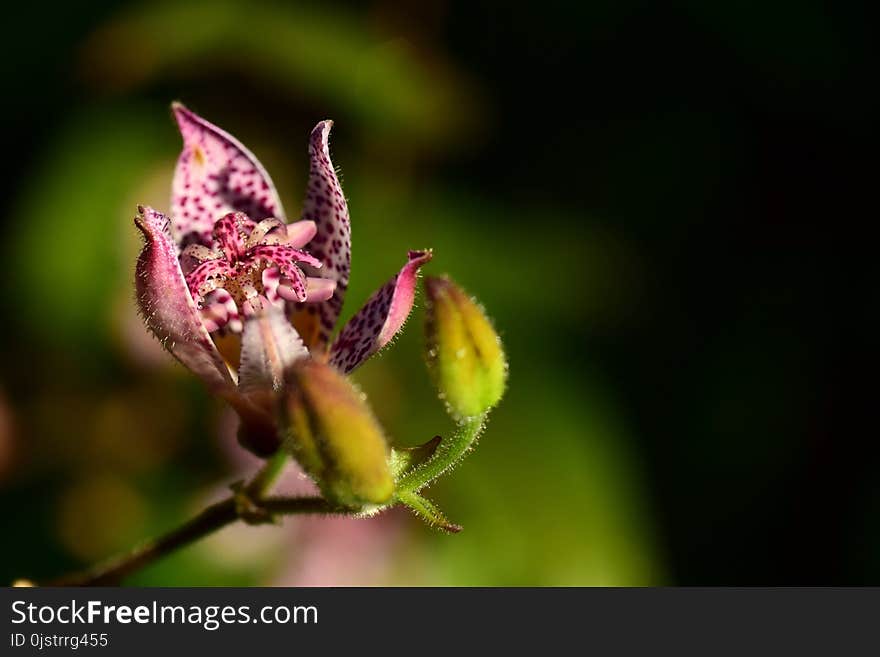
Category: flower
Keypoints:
(237, 294)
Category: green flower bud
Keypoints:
(332, 432)
(465, 356)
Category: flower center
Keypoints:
(250, 264)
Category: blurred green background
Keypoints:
(641, 197)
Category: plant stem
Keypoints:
(287, 506)
(215, 517)
(447, 455)
(263, 481)
(113, 571)
(229, 510)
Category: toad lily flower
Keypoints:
(237, 294)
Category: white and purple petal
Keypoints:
(326, 206)
(215, 175)
(374, 325)
(168, 308)
(269, 345)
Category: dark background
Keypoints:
(650, 198)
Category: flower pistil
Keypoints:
(252, 264)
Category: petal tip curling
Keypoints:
(421, 255)
(167, 307)
(151, 222)
(321, 132)
(326, 206)
(185, 118)
(380, 319)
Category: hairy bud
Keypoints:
(332, 432)
(465, 356)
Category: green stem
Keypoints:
(427, 511)
(286, 506)
(263, 481)
(448, 453)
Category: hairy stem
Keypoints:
(114, 570)
(448, 453)
(263, 481)
(214, 517)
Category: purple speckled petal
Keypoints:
(269, 345)
(168, 308)
(373, 326)
(207, 276)
(281, 255)
(215, 175)
(325, 205)
(228, 232)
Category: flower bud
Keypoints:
(464, 351)
(333, 434)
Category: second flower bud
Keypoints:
(332, 432)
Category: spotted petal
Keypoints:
(269, 345)
(374, 325)
(215, 175)
(168, 308)
(325, 205)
